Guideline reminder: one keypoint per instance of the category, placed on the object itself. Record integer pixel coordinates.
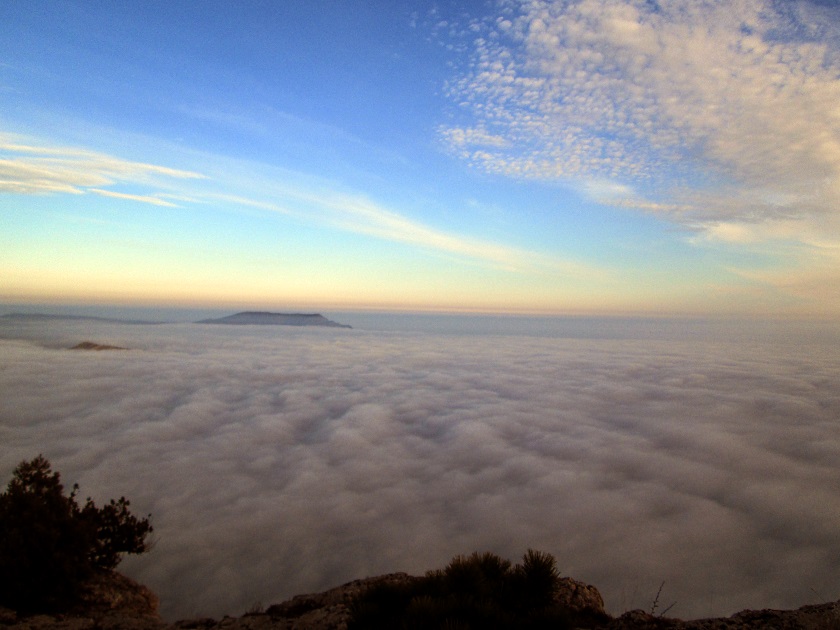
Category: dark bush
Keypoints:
(537, 579)
(476, 591)
(49, 545)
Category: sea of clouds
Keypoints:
(279, 460)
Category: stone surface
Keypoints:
(330, 609)
(579, 597)
(112, 592)
(819, 617)
(109, 601)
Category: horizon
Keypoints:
(121, 310)
(687, 328)
(598, 157)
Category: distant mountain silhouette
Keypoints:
(43, 317)
(90, 345)
(261, 318)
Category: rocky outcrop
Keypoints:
(579, 597)
(817, 617)
(113, 593)
(114, 602)
(330, 610)
(108, 601)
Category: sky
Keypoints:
(277, 461)
(601, 156)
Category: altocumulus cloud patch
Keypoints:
(285, 461)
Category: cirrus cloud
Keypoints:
(31, 169)
(35, 169)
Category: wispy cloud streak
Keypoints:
(49, 170)
(360, 215)
(31, 169)
(155, 201)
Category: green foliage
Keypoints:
(49, 544)
(476, 591)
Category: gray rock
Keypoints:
(579, 597)
(108, 601)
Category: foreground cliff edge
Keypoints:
(57, 561)
(111, 601)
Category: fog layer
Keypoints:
(282, 461)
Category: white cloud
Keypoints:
(32, 169)
(807, 255)
(276, 462)
(809, 278)
(155, 201)
(358, 214)
(354, 213)
(736, 102)
(472, 138)
(40, 169)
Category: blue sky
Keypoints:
(599, 156)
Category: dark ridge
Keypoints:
(43, 317)
(89, 345)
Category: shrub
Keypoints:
(49, 545)
(476, 591)
(539, 578)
